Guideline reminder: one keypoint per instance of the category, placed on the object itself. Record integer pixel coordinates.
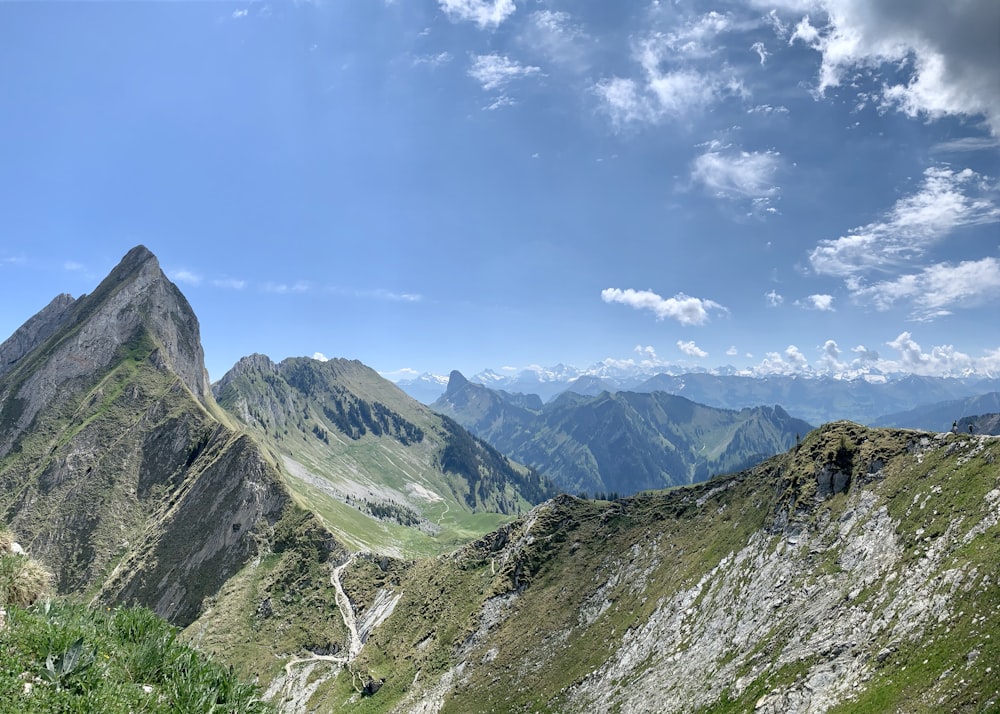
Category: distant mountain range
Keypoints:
(621, 442)
(863, 398)
(941, 415)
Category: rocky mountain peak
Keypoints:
(455, 382)
(35, 331)
(134, 310)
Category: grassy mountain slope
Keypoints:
(855, 573)
(384, 472)
(621, 442)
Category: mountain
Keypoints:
(384, 472)
(425, 388)
(855, 572)
(623, 442)
(816, 398)
(941, 415)
(116, 466)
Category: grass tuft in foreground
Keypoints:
(62, 657)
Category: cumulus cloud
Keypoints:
(691, 349)
(943, 360)
(685, 309)
(732, 174)
(947, 51)
(320, 357)
(821, 302)
(773, 298)
(482, 12)
(732, 351)
(792, 361)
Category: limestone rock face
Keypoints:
(114, 467)
(35, 331)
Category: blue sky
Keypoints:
(427, 185)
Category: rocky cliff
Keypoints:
(112, 452)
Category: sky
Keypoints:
(794, 186)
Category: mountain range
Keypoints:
(317, 530)
(865, 398)
(622, 442)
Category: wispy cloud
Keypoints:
(678, 75)
(482, 12)
(185, 276)
(497, 71)
(947, 200)
(773, 298)
(229, 283)
(729, 173)
(432, 61)
(938, 289)
(556, 36)
(299, 287)
(685, 309)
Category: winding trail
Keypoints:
(346, 610)
(350, 622)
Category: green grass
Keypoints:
(62, 657)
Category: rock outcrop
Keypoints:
(111, 452)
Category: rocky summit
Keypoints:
(351, 550)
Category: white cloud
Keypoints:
(948, 51)
(319, 356)
(824, 303)
(761, 50)
(497, 71)
(938, 289)
(730, 174)
(947, 200)
(646, 352)
(285, 289)
(691, 349)
(230, 283)
(432, 61)
(732, 351)
(678, 76)
(791, 362)
(556, 36)
(773, 298)
(185, 276)
(240, 14)
(943, 360)
(482, 12)
(685, 309)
